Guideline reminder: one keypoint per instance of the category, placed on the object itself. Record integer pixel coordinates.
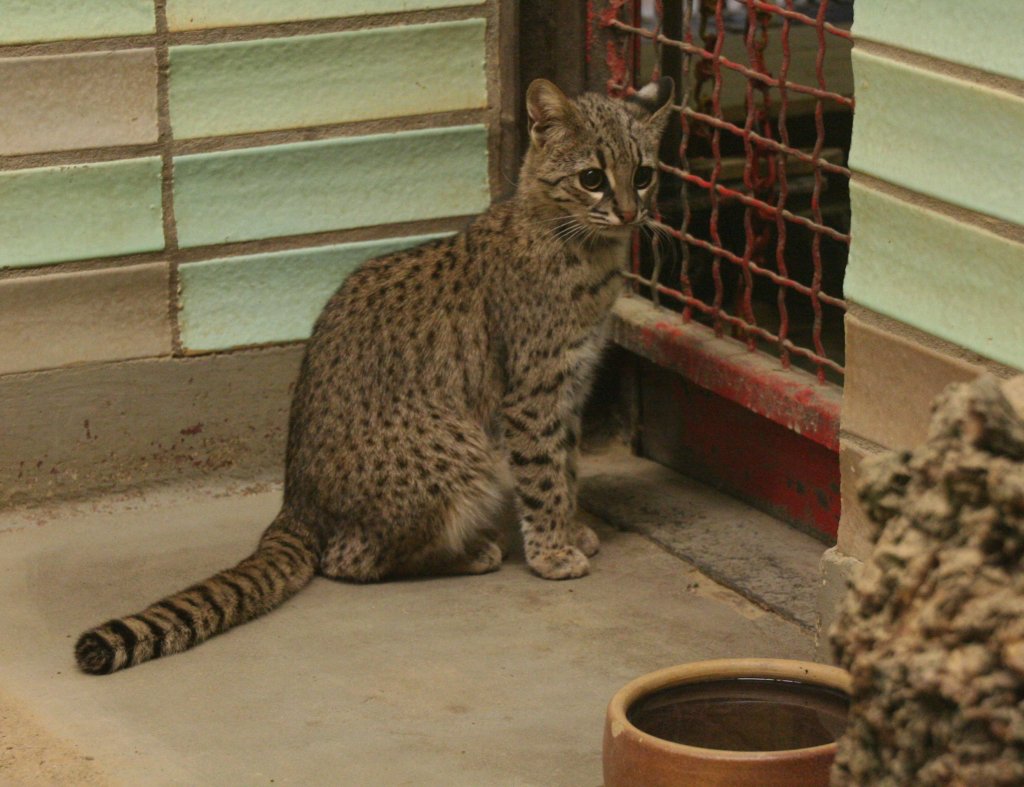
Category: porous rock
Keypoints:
(932, 630)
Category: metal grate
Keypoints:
(753, 225)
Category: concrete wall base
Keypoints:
(85, 430)
(837, 572)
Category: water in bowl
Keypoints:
(743, 714)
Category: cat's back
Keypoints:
(400, 325)
(401, 295)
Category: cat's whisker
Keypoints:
(570, 230)
(659, 232)
(576, 232)
(560, 226)
(567, 230)
(560, 217)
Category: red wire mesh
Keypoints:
(753, 246)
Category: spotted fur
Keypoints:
(442, 386)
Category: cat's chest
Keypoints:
(589, 293)
(609, 255)
(595, 269)
(582, 355)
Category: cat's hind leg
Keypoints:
(437, 507)
(585, 539)
(471, 539)
(481, 557)
(464, 542)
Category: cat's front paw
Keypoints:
(586, 540)
(561, 563)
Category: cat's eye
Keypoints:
(642, 177)
(592, 179)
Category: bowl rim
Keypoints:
(723, 669)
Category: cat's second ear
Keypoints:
(654, 102)
(551, 113)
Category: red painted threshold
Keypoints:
(791, 397)
(705, 436)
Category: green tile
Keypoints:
(330, 184)
(54, 20)
(263, 298)
(984, 34)
(950, 139)
(331, 78)
(196, 14)
(945, 277)
(77, 212)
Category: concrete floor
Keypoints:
(492, 680)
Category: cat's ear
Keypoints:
(551, 113)
(653, 102)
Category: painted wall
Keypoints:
(937, 260)
(200, 176)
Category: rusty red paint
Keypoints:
(766, 142)
(615, 52)
(741, 325)
(723, 443)
(790, 397)
(739, 418)
(617, 66)
(764, 209)
(719, 61)
(793, 403)
(788, 14)
(781, 229)
(589, 33)
(819, 144)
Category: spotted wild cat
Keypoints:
(443, 382)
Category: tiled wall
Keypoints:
(936, 273)
(183, 183)
(180, 177)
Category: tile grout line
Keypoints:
(275, 244)
(78, 46)
(221, 34)
(492, 116)
(947, 68)
(63, 158)
(985, 222)
(910, 333)
(165, 142)
(865, 444)
(289, 28)
(428, 121)
(449, 119)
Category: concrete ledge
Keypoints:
(791, 398)
(838, 570)
(893, 409)
(82, 430)
(855, 529)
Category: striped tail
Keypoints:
(280, 567)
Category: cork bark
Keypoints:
(932, 630)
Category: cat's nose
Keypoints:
(627, 216)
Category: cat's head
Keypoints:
(594, 160)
